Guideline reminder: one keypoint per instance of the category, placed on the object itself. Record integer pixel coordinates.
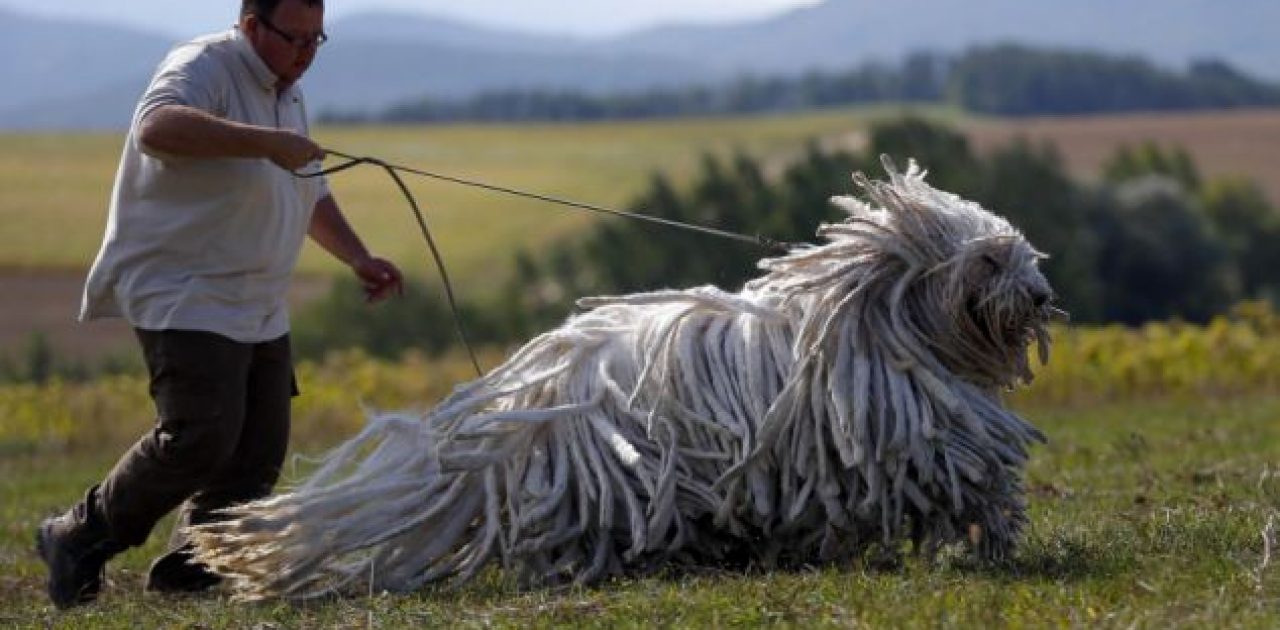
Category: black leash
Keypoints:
(761, 240)
(426, 234)
(394, 170)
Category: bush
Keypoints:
(420, 321)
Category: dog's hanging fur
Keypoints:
(848, 397)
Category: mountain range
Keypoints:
(75, 74)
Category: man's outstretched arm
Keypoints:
(329, 228)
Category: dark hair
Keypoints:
(265, 8)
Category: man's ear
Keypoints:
(249, 24)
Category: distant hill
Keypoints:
(48, 65)
(77, 74)
(1001, 80)
(838, 33)
(356, 75)
(383, 26)
(373, 61)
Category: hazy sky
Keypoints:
(578, 17)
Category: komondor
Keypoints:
(847, 399)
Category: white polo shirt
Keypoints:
(206, 244)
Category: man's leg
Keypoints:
(249, 474)
(198, 385)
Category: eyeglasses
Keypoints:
(301, 42)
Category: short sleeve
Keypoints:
(188, 76)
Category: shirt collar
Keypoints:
(256, 66)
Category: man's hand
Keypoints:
(291, 151)
(380, 278)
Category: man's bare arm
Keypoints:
(183, 131)
(329, 228)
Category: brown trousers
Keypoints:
(221, 432)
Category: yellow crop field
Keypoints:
(1231, 356)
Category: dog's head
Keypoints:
(977, 296)
(1000, 303)
(950, 280)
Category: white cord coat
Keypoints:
(848, 397)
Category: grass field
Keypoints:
(54, 189)
(1147, 515)
(64, 181)
(1153, 505)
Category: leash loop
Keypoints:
(426, 234)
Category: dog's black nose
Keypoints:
(1040, 298)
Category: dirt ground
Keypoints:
(48, 302)
(1239, 143)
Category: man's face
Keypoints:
(287, 39)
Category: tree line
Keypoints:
(1153, 241)
(1007, 79)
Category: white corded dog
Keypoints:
(847, 398)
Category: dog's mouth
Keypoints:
(1010, 333)
(1035, 330)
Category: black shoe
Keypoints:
(76, 557)
(178, 572)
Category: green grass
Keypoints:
(1146, 515)
(56, 187)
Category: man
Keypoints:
(205, 227)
